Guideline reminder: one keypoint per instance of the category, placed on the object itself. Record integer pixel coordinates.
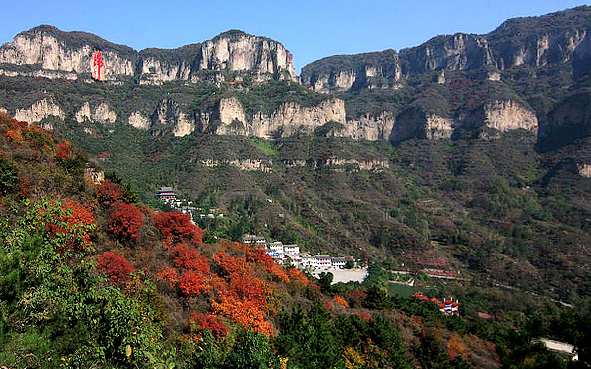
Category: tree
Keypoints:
(177, 227)
(126, 220)
(8, 176)
(116, 267)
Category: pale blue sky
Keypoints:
(309, 29)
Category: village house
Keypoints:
(166, 193)
(254, 240)
(323, 261)
(291, 250)
(338, 262)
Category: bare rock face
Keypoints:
(53, 50)
(351, 72)
(291, 118)
(238, 51)
(371, 128)
(83, 114)
(169, 118)
(509, 115)
(138, 120)
(104, 114)
(38, 111)
(415, 123)
(101, 114)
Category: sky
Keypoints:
(311, 30)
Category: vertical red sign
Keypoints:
(98, 63)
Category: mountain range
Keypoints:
(466, 152)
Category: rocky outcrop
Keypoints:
(584, 170)
(508, 115)
(368, 127)
(56, 54)
(500, 116)
(352, 72)
(170, 119)
(50, 49)
(287, 120)
(416, 123)
(38, 111)
(138, 120)
(101, 114)
(238, 51)
(249, 165)
(537, 42)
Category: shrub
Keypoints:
(116, 267)
(108, 193)
(126, 220)
(8, 176)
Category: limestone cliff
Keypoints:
(101, 114)
(138, 120)
(351, 72)
(500, 116)
(52, 53)
(168, 118)
(560, 38)
(38, 111)
(50, 49)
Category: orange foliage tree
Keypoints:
(177, 227)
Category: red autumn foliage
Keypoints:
(168, 274)
(241, 296)
(188, 258)
(126, 220)
(296, 275)
(64, 150)
(108, 193)
(192, 283)
(73, 223)
(116, 267)
(364, 316)
(327, 305)
(201, 322)
(177, 227)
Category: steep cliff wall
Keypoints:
(57, 54)
(168, 118)
(102, 113)
(552, 39)
(50, 49)
(38, 111)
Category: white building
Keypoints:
(291, 250)
(338, 262)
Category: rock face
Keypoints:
(50, 49)
(101, 114)
(170, 119)
(57, 54)
(507, 115)
(352, 72)
(138, 120)
(38, 111)
(553, 39)
(502, 116)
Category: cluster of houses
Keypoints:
(290, 254)
(446, 306)
(170, 197)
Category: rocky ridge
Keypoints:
(535, 42)
(56, 54)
